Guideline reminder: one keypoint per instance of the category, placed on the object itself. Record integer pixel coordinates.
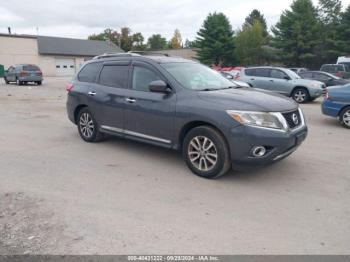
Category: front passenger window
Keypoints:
(142, 77)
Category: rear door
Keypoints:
(148, 115)
(262, 78)
(110, 93)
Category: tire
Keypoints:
(87, 126)
(301, 95)
(39, 83)
(344, 117)
(6, 81)
(200, 146)
(18, 82)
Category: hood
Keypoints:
(249, 99)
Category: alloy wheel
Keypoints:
(86, 125)
(346, 118)
(202, 153)
(300, 96)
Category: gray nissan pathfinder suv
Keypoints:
(183, 105)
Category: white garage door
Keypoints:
(65, 67)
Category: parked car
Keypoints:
(344, 60)
(337, 104)
(283, 81)
(230, 77)
(339, 70)
(23, 74)
(298, 69)
(327, 78)
(183, 105)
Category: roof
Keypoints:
(18, 36)
(48, 45)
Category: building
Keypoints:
(55, 56)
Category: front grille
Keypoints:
(293, 118)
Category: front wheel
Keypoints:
(301, 95)
(6, 81)
(18, 82)
(344, 117)
(88, 127)
(206, 152)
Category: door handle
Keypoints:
(92, 93)
(252, 79)
(130, 100)
(271, 80)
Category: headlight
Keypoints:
(316, 85)
(258, 119)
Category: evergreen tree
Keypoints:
(215, 41)
(330, 17)
(256, 15)
(344, 32)
(297, 34)
(249, 43)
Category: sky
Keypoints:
(80, 18)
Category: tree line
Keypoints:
(305, 35)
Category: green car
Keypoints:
(23, 74)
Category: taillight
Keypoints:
(39, 73)
(23, 73)
(69, 87)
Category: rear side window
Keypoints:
(142, 77)
(114, 75)
(89, 72)
(31, 68)
(250, 72)
(262, 72)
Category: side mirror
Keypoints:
(159, 86)
(286, 77)
(229, 77)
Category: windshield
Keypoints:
(197, 77)
(292, 74)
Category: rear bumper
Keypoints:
(30, 78)
(278, 144)
(330, 108)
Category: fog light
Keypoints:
(259, 151)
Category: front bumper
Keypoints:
(315, 93)
(278, 144)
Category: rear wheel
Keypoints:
(88, 127)
(39, 83)
(206, 152)
(344, 117)
(301, 95)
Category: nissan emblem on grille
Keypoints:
(295, 119)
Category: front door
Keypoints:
(148, 115)
(280, 82)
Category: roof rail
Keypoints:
(106, 55)
(148, 53)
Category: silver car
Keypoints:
(283, 81)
